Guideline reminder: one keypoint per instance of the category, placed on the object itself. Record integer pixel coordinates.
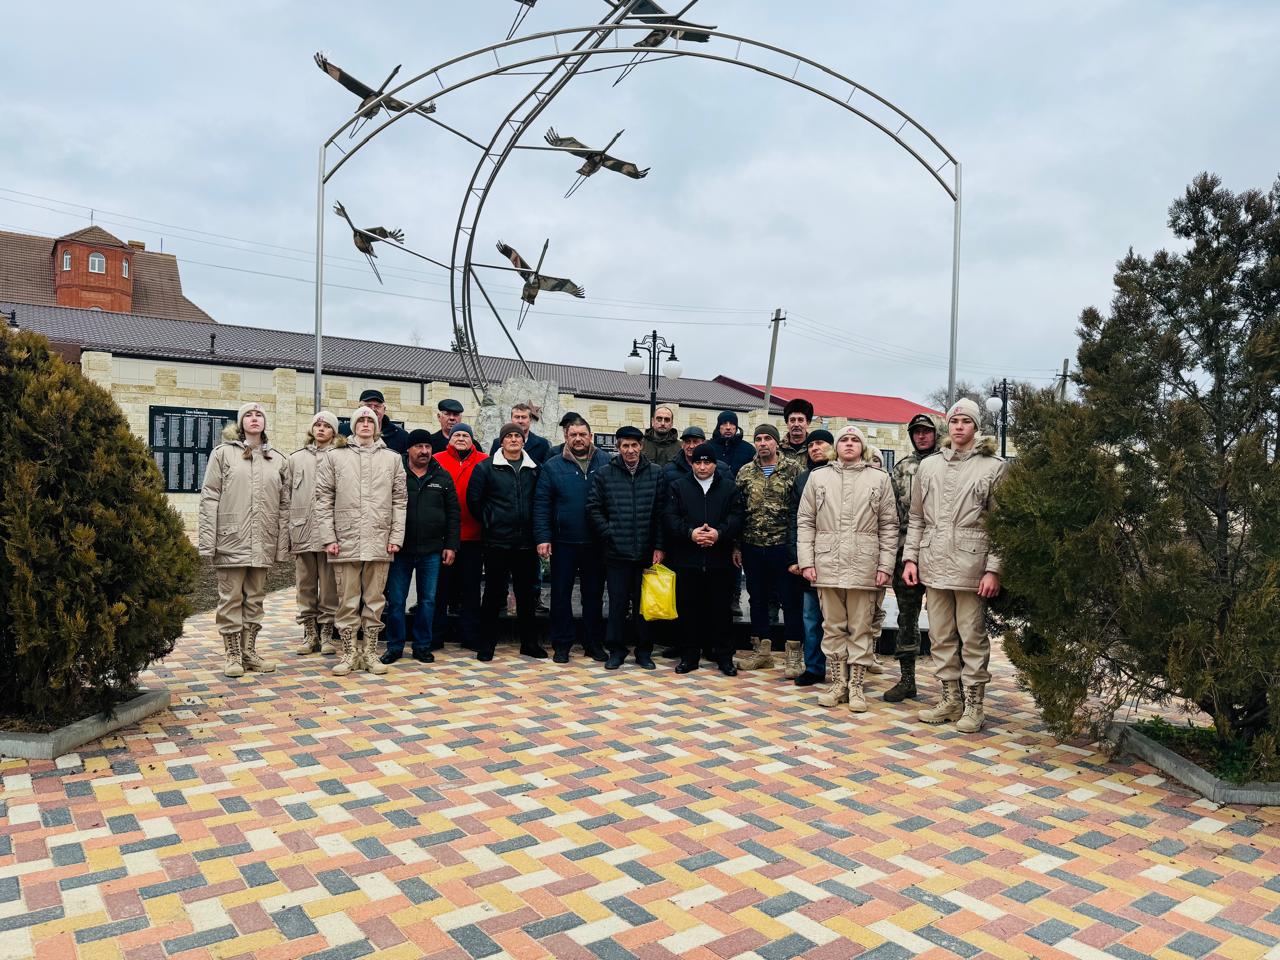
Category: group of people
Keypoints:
(811, 521)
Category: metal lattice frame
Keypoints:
(559, 67)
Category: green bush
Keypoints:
(1140, 526)
(96, 566)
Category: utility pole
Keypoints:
(1066, 365)
(778, 317)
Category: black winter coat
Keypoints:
(560, 504)
(689, 508)
(735, 451)
(679, 467)
(793, 508)
(538, 448)
(625, 511)
(433, 518)
(393, 435)
(501, 498)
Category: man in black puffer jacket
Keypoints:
(624, 507)
(704, 517)
(500, 495)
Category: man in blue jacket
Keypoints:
(625, 505)
(562, 533)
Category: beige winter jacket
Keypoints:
(847, 525)
(946, 529)
(244, 506)
(304, 467)
(361, 499)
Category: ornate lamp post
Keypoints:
(655, 346)
(999, 401)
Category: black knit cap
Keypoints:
(419, 436)
(507, 430)
(703, 453)
(820, 435)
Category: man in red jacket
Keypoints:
(459, 585)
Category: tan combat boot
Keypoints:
(234, 665)
(251, 659)
(369, 651)
(328, 646)
(857, 700)
(836, 690)
(794, 662)
(949, 708)
(310, 638)
(760, 657)
(347, 662)
(875, 666)
(974, 715)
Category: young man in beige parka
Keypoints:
(846, 540)
(313, 574)
(361, 499)
(947, 551)
(244, 529)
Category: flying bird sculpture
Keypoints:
(534, 281)
(593, 160)
(665, 26)
(368, 96)
(365, 238)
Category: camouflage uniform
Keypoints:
(765, 551)
(909, 598)
(799, 453)
(767, 500)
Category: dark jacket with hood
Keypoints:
(538, 448)
(560, 503)
(689, 508)
(625, 510)
(433, 517)
(500, 496)
(793, 510)
(734, 452)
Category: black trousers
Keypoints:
(520, 567)
(459, 584)
(623, 583)
(703, 600)
(581, 561)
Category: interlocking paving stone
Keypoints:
(570, 812)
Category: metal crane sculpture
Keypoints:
(594, 160)
(534, 281)
(365, 238)
(368, 108)
(666, 26)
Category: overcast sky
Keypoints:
(197, 126)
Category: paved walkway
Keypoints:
(519, 809)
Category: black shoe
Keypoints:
(671, 653)
(686, 666)
(727, 668)
(561, 656)
(645, 662)
(484, 655)
(808, 679)
(390, 656)
(616, 659)
(534, 650)
(424, 656)
(596, 652)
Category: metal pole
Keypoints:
(317, 383)
(1004, 413)
(653, 377)
(773, 353)
(955, 295)
(1066, 365)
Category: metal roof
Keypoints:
(157, 338)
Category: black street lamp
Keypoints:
(655, 346)
(999, 400)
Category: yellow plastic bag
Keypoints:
(658, 593)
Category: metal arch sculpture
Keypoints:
(944, 168)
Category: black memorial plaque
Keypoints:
(181, 440)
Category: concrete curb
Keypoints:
(50, 746)
(1133, 741)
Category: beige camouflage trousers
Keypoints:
(361, 593)
(240, 594)
(958, 636)
(317, 587)
(847, 616)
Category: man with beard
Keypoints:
(661, 444)
(730, 446)
(563, 535)
(924, 444)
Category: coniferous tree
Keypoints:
(1140, 527)
(95, 567)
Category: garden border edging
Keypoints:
(50, 746)
(1131, 740)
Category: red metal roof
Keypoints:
(852, 406)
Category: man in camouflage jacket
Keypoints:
(924, 443)
(765, 484)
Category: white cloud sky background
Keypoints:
(1077, 124)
